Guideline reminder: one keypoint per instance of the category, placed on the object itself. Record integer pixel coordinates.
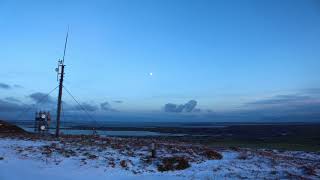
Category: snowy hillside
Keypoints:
(97, 158)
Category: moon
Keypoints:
(150, 73)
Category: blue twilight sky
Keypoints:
(222, 54)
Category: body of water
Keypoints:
(106, 133)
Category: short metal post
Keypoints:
(153, 150)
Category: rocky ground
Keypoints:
(28, 156)
(173, 159)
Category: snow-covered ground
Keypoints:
(116, 158)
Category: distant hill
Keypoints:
(6, 127)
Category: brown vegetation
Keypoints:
(173, 163)
(8, 128)
(123, 163)
(211, 154)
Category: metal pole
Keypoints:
(59, 100)
(61, 63)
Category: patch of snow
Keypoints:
(34, 159)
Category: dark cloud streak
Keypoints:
(89, 107)
(188, 107)
(40, 97)
(10, 106)
(118, 101)
(281, 100)
(105, 106)
(4, 86)
(12, 99)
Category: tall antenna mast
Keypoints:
(60, 71)
(65, 46)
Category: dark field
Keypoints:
(285, 136)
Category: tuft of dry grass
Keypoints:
(211, 154)
(243, 156)
(123, 164)
(173, 163)
(309, 170)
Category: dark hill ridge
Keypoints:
(6, 127)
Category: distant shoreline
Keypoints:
(291, 136)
